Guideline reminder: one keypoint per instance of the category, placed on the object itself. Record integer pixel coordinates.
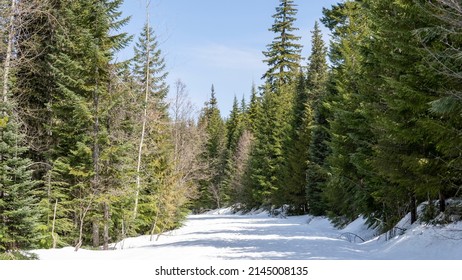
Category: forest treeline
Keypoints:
(92, 152)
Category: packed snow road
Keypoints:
(258, 236)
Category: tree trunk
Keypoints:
(9, 50)
(106, 226)
(145, 113)
(95, 233)
(96, 148)
(413, 209)
(154, 225)
(95, 182)
(442, 202)
(53, 225)
(80, 219)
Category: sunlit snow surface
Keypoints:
(220, 235)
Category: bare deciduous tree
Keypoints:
(188, 139)
(241, 160)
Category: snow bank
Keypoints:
(221, 235)
(358, 231)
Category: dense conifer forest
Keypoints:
(92, 152)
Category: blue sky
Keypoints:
(217, 42)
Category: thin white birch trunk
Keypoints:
(145, 113)
(9, 50)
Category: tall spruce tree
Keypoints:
(283, 54)
(212, 193)
(80, 108)
(308, 92)
(267, 164)
(350, 188)
(155, 170)
(234, 129)
(406, 153)
(248, 196)
(441, 40)
(318, 150)
(18, 202)
(153, 160)
(254, 111)
(296, 150)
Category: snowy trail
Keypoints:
(238, 237)
(256, 237)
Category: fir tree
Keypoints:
(18, 202)
(254, 111)
(80, 105)
(212, 193)
(283, 54)
(318, 150)
(441, 41)
(406, 153)
(351, 185)
(296, 153)
(268, 159)
(153, 157)
(238, 148)
(234, 127)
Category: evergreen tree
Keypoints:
(154, 162)
(406, 153)
(80, 105)
(441, 39)
(18, 202)
(268, 159)
(238, 149)
(248, 194)
(254, 111)
(212, 193)
(352, 186)
(318, 150)
(234, 126)
(307, 97)
(296, 150)
(283, 54)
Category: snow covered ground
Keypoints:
(220, 235)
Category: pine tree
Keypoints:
(106, 19)
(212, 193)
(80, 106)
(308, 92)
(247, 193)
(406, 153)
(254, 111)
(442, 42)
(283, 54)
(318, 150)
(267, 163)
(153, 157)
(238, 147)
(18, 202)
(234, 126)
(296, 150)
(352, 184)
